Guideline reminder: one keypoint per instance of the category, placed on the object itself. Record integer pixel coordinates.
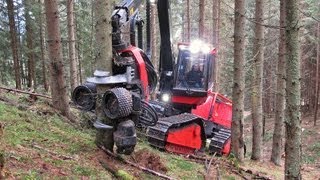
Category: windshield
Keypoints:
(192, 70)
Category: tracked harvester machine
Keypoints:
(187, 112)
(191, 112)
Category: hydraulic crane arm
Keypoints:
(126, 14)
(166, 58)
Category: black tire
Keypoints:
(84, 96)
(117, 103)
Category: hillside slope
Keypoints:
(38, 143)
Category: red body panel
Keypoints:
(143, 76)
(227, 147)
(218, 107)
(187, 100)
(184, 140)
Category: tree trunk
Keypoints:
(317, 77)
(14, 45)
(201, 18)
(280, 92)
(154, 43)
(153, 36)
(237, 143)
(103, 62)
(103, 56)
(188, 20)
(22, 61)
(92, 37)
(78, 47)
(57, 80)
(215, 41)
(30, 51)
(293, 120)
(44, 53)
(72, 45)
(257, 82)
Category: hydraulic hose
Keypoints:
(140, 33)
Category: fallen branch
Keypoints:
(218, 173)
(257, 175)
(26, 92)
(239, 173)
(236, 170)
(208, 167)
(108, 167)
(191, 156)
(64, 157)
(136, 165)
(13, 103)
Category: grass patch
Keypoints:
(179, 163)
(307, 133)
(264, 168)
(31, 175)
(312, 154)
(23, 128)
(83, 171)
(183, 169)
(308, 159)
(55, 162)
(315, 148)
(228, 177)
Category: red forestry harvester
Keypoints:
(187, 112)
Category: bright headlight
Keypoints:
(205, 49)
(165, 97)
(197, 46)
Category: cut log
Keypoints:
(64, 157)
(25, 92)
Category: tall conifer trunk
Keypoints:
(237, 143)
(103, 62)
(256, 96)
(277, 143)
(72, 45)
(188, 23)
(317, 78)
(201, 18)
(57, 79)
(30, 50)
(44, 53)
(154, 30)
(293, 119)
(14, 45)
(215, 41)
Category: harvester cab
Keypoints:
(192, 73)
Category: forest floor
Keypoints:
(310, 149)
(38, 143)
